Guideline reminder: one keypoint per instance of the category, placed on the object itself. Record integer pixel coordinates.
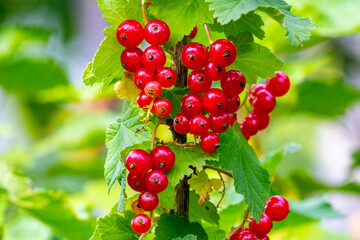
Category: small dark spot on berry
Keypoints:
(225, 125)
(220, 105)
(226, 53)
(189, 105)
(200, 78)
(147, 195)
(156, 180)
(151, 91)
(234, 115)
(218, 69)
(138, 82)
(123, 36)
(162, 110)
(161, 164)
(137, 184)
(191, 56)
(238, 101)
(123, 64)
(168, 76)
(155, 28)
(242, 84)
(177, 120)
(140, 221)
(202, 123)
(138, 205)
(150, 57)
(217, 145)
(132, 165)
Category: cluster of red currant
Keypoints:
(262, 98)
(139, 163)
(276, 209)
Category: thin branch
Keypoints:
(224, 189)
(208, 33)
(147, 118)
(246, 97)
(185, 145)
(246, 216)
(142, 236)
(144, 11)
(158, 123)
(219, 170)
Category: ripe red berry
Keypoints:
(131, 59)
(156, 32)
(245, 235)
(264, 121)
(156, 181)
(254, 91)
(148, 200)
(277, 208)
(235, 235)
(166, 77)
(233, 103)
(233, 82)
(137, 182)
(138, 162)
(193, 33)
(135, 206)
(154, 58)
(143, 100)
(163, 158)
(153, 89)
(209, 142)
(261, 228)
(162, 107)
(194, 56)
(219, 123)
(149, 3)
(214, 72)
(251, 125)
(278, 85)
(264, 102)
(141, 223)
(192, 104)
(264, 238)
(214, 100)
(246, 135)
(223, 52)
(198, 82)
(130, 33)
(199, 125)
(142, 76)
(233, 118)
(181, 124)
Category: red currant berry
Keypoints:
(162, 107)
(233, 103)
(233, 82)
(131, 59)
(136, 182)
(214, 101)
(154, 58)
(277, 208)
(135, 206)
(214, 72)
(166, 77)
(233, 118)
(142, 76)
(199, 124)
(223, 52)
(181, 124)
(130, 33)
(262, 228)
(149, 3)
(153, 89)
(148, 200)
(156, 181)
(219, 123)
(264, 238)
(251, 125)
(209, 142)
(141, 223)
(156, 32)
(264, 121)
(264, 102)
(193, 33)
(198, 82)
(143, 100)
(246, 235)
(192, 104)
(254, 91)
(278, 85)
(246, 135)
(163, 158)
(194, 56)
(235, 235)
(138, 162)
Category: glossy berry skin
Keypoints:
(245, 235)
(148, 200)
(219, 123)
(261, 228)
(156, 181)
(181, 123)
(251, 125)
(143, 100)
(233, 118)
(138, 162)
(195, 56)
(142, 76)
(198, 82)
(233, 82)
(278, 85)
(192, 104)
(233, 103)
(193, 33)
(130, 33)
(243, 130)
(137, 182)
(264, 121)
(214, 72)
(264, 238)
(199, 125)
(214, 101)
(141, 223)
(162, 107)
(131, 59)
(223, 52)
(153, 89)
(163, 158)
(156, 32)
(277, 208)
(166, 77)
(154, 58)
(236, 234)
(264, 102)
(209, 142)
(135, 206)
(254, 91)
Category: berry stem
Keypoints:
(185, 145)
(208, 33)
(219, 170)
(158, 123)
(223, 191)
(143, 2)
(142, 236)
(147, 117)
(246, 216)
(246, 96)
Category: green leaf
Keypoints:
(181, 16)
(206, 211)
(175, 96)
(254, 60)
(120, 136)
(232, 215)
(202, 184)
(167, 197)
(88, 77)
(215, 233)
(250, 179)
(187, 237)
(174, 226)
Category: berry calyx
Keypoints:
(261, 228)
(214, 101)
(209, 142)
(153, 89)
(137, 182)
(192, 104)
(156, 32)
(163, 158)
(148, 200)
(223, 52)
(131, 59)
(130, 33)
(154, 58)
(138, 162)
(264, 102)
(156, 181)
(181, 124)
(135, 206)
(214, 71)
(278, 85)
(219, 123)
(233, 118)
(198, 81)
(162, 107)
(166, 77)
(233, 103)
(277, 208)
(141, 223)
(233, 82)
(194, 56)
(199, 125)
(143, 100)
(142, 76)
(251, 125)
(193, 33)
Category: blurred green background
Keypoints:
(52, 127)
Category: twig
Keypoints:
(144, 11)
(185, 145)
(246, 216)
(246, 97)
(208, 33)
(219, 170)
(164, 209)
(158, 123)
(147, 117)
(223, 192)
(142, 236)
